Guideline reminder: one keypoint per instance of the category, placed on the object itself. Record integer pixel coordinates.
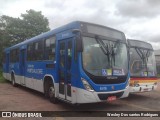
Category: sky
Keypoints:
(138, 19)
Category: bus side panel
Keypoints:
(35, 72)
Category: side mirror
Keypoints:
(79, 44)
(78, 40)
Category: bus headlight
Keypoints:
(87, 85)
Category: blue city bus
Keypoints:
(143, 73)
(77, 63)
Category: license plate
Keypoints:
(111, 98)
(145, 89)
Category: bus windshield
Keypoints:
(104, 57)
(142, 62)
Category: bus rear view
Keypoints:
(142, 66)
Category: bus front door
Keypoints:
(22, 66)
(65, 66)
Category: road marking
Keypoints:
(137, 106)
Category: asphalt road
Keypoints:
(24, 99)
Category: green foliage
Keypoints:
(15, 30)
(2, 80)
(35, 23)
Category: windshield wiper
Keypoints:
(113, 52)
(108, 49)
(143, 56)
(140, 53)
(147, 54)
(104, 48)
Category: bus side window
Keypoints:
(50, 48)
(14, 55)
(38, 50)
(30, 52)
(35, 54)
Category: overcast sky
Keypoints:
(138, 19)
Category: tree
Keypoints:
(34, 23)
(15, 30)
(11, 30)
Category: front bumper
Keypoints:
(84, 96)
(143, 88)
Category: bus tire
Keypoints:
(51, 93)
(13, 81)
(46, 90)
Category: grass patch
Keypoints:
(2, 80)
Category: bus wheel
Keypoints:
(51, 93)
(13, 81)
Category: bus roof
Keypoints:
(48, 33)
(139, 44)
(72, 25)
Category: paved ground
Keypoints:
(23, 99)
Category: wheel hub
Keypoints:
(51, 91)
